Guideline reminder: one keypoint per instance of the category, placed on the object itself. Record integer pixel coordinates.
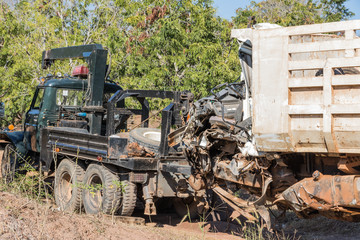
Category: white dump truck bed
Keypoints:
(306, 87)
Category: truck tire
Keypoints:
(103, 190)
(9, 162)
(68, 185)
(129, 196)
(146, 137)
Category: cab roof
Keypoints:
(75, 83)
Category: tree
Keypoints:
(173, 45)
(28, 28)
(335, 10)
(154, 44)
(293, 12)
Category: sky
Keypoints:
(227, 8)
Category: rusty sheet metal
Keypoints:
(348, 165)
(222, 171)
(236, 203)
(196, 182)
(31, 130)
(135, 150)
(326, 194)
(176, 136)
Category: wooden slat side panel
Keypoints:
(306, 109)
(306, 96)
(269, 91)
(321, 63)
(347, 131)
(327, 117)
(345, 108)
(324, 46)
(346, 95)
(300, 103)
(345, 80)
(306, 82)
(313, 29)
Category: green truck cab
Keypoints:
(58, 101)
(49, 98)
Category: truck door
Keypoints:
(32, 120)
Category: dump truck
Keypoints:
(289, 132)
(78, 130)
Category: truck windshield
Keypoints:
(70, 97)
(39, 97)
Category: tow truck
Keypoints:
(77, 128)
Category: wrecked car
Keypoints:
(289, 131)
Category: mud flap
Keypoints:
(16, 138)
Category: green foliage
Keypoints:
(154, 44)
(335, 10)
(166, 45)
(26, 30)
(293, 12)
(28, 182)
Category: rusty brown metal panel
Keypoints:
(334, 196)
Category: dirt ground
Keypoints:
(21, 218)
(320, 228)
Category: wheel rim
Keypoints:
(95, 191)
(65, 187)
(156, 136)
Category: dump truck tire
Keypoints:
(68, 185)
(146, 137)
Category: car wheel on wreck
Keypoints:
(146, 137)
(67, 190)
(105, 192)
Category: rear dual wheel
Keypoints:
(106, 192)
(68, 185)
(97, 188)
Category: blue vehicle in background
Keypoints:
(2, 110)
